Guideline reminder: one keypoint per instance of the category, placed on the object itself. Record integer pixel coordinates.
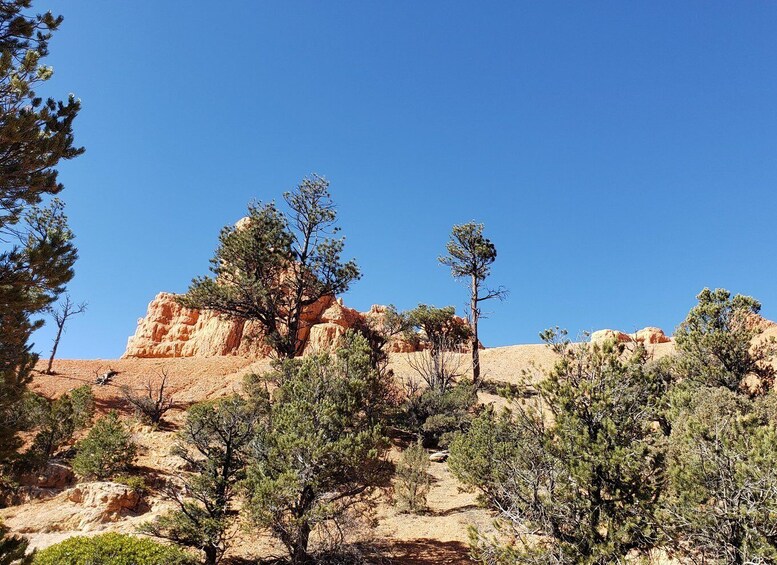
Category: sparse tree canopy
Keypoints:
(436, 405)
(154, 400)
(470, 255)
(443, 334)
(320, 452)
(214, 442)
(61, 315)
(274, 265)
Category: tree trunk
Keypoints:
(211, 555)
(300, 555)
(473, 305)
(54, 349)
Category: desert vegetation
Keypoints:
(606, 454)
(621, 455)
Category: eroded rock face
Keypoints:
(649, 335)
(54, 475)
(172, 330)
(86, 507)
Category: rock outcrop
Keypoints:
(84, 508)
(649, 335)
(172, 330)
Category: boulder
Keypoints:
(53, 476)
(324, 337)
(107, 498)
(341, 315)
(609, 335)
(649, 335)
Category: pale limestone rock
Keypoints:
(650, 335)
(84, 508)
(609, 335)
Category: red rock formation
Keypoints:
(171, 330)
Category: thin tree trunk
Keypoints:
(211, 555)
(474, 323)
(54, 349)
(300, 555)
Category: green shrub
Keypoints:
(107, 450)
(134, 482)
(412, 479)
(82, 401)
(436, 416)
(56, 422)
(112, 549)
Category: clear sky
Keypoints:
(622, 155)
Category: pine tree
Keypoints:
(272, 266)
(470, 255)
(720, 346)
(320, 452)
(36, 250)
(214, 442)
(721, 504)
(575, 476)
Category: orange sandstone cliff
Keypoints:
(172, 330)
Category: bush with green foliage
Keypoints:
(107, 450)
(214, 442)
(716, 343)
(57, 421)
(435, 416)
(319, 452)
(412, 484)
(112, 549)
(721, 505)
(436, 405)
(576, 473)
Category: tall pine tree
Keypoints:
(36, 249)
(470, 255)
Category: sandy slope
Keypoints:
(438, 536)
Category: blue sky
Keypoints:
(622, 155)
